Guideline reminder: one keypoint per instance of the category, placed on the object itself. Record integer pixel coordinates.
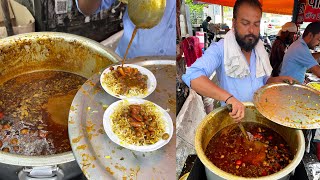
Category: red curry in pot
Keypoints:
(266, 154)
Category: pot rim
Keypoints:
(209, 165)
(114, 57)
(49, 160)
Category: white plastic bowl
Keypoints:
(107, 124)
(151, 82)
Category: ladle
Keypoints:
(146, 14)
(258, 148)
(244, 132)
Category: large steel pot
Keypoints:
(219, 118)
(48, 51)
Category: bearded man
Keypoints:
(241, 63)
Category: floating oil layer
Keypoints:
(34, 110)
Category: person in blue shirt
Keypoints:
(240, 61)
(157, 41)
(298, 58)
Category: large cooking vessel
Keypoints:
(48, 51)
(219, 118)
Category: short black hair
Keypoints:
(208, 18)
(254, 3)
(313, 28)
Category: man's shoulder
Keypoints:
(298, 52)
(296, 48)
(215, 50)
(216, 46)
(298, 45)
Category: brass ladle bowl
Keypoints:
(146, 14)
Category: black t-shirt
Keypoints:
(205, 26)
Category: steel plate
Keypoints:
(97, 155)
(294, 106)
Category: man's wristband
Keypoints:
(228, 99)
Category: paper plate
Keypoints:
(294, 106)
(107, 124)
(151, 82)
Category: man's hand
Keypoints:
(206, 87)
(281, 79)
(238, 109)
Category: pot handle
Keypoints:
(43, 173)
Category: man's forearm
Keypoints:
(281, 79)
(205, 87)
(88, 7)
(273, 80)
(316, 56)
(316, 70)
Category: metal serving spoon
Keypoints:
(146, 14)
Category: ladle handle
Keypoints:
(229, 107)
(244, 132)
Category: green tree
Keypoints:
(196, 11)
(195, 7)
